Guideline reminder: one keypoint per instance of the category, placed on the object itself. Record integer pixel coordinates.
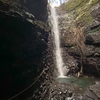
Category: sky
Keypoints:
(57, 2)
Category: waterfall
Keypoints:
(55, 30)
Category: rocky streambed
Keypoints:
(64, 91)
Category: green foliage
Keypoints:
(84, 18)
(73, 5)
(81, 8)
(94, 31)
(93, 2)
(72, 47)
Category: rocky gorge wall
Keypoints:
(24, 48)
(85, 14)
(85, 23)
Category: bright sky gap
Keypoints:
(57, 2)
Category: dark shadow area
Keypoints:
(21, 55)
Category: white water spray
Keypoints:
(55, 29)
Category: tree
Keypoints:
(79, 41)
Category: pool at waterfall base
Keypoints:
(81, 81)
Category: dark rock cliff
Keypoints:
(23, 48)
(26, 8)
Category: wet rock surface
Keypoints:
(60, 91)
(70, 64)
(64, 91)
(92, 35)
(96, 89)
(95, 12)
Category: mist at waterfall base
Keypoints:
(55, 30)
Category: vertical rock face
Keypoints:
(23, 46)
(87, 15)
(37, 8)
(96, 11)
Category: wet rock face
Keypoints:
(96, 11)
(60, 91)
(92, 54)
(91, 30)
(23, 41)
(96, 89)
(70, 67)
(64, 91)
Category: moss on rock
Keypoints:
(82, 10)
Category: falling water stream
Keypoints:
(83, 82)
(55, 30)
